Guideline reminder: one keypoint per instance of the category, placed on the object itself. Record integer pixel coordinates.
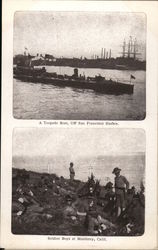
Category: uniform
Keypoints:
(72, 173)
(95, 220)
(121, 184)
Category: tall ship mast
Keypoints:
(130, 49)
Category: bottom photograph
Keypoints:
(73, 181)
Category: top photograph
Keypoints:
(79, 65)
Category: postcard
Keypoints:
(79, 125)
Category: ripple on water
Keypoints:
(41, 101)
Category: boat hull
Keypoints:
(106, 86)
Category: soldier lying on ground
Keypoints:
(95, 222)
(27, 205)
(92, 219)
(85, 212)
(26, 197)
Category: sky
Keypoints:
(77, 142)
(76, 34)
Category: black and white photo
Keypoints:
(85, 182)
(79, 65)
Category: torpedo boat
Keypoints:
(97, 83)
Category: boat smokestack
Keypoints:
(110, 54)
(101, 53)
(104, 52)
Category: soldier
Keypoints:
(72, 171)
(70, 211)
(121, 185)
(94, 220)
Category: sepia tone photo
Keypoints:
(83, 182)
(79, 65)
(79, 125)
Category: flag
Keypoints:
(133, 77)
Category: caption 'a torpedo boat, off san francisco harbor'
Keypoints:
(97, 83)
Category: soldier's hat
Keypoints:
(109, 185)
(116, 170)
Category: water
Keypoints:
(133, 166)
(41, 101)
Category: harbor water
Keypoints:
(42, 101)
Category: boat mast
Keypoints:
(124, 48)
(131, 45)
(129, 49)
(134, 52)
(110, 53)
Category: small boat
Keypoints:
(97, 83)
